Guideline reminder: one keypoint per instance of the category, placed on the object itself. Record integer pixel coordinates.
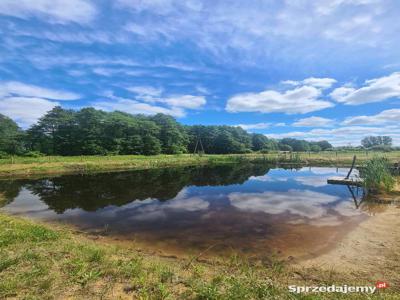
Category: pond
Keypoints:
(250, 209)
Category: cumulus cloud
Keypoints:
(299, 100)
(384, 117)
(25, 111)
(254, 126)
(57, 11)
(374, 90)
(13, 88)
(313, 122)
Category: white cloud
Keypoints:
(254, 126)
(136, 107)
(313, 122)
(57, 11)
(384, 117)
(322, 83)
(300, 100)
(13, 88)
(258, 28)
(343, 136)
(108, 72)
(152, 95)
(186, 101)
(144, 102)
(25, 111)
(145, 91)
(291, 82)
(374, 90)
(26, 103)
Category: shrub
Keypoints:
(376, 174)
(383, 148)
(33, 154)
(4, 155)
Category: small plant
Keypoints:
(376, 174)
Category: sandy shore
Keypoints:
(372, 248)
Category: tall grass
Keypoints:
(376, 174)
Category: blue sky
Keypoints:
(327, 69)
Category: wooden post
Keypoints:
(352, 166)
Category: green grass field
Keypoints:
(25, 166)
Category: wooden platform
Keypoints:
(344, 181)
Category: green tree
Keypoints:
(151, 145)
(371, 141)
(11, 136)
(172, 136)
(325, 145)
(259, 142)
(90, 126)
(285, 147)
(53, 134)
(225, 143)
(296, 145)
(315, 148)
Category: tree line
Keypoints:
(94, 132)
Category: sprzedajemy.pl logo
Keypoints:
(338, 288)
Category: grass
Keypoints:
(39, 262)
(25, 166)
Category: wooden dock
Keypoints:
(349, 181)
(346, 181)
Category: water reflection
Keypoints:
(250, 208)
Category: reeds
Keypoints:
(377, 175)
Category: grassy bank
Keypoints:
(37, 262)
(24, 166)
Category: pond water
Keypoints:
(252, 209)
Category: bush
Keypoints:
(285, 147)
(33, 154)
(4, 155)
(383, 148)
(376, 174)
